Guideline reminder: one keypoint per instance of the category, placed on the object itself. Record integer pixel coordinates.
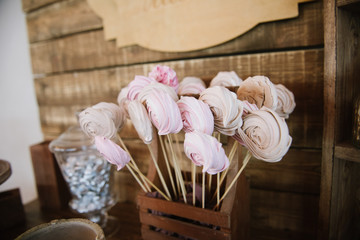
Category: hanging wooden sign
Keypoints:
(186, 25)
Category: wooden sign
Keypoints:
(186, 25)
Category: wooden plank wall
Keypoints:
(74, 67)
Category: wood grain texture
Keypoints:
(286, 212)
(329, 118)
(298, 171)
(30, 5)
(345, 207)
(52, 189)
(90, 50)
(59, 19)
(348, 84)
(347, 152)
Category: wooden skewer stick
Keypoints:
(231, 158)
(177, 169)
(245, 162)
(217, 188)
(136, 178)
(167, 165)
(135, 167)
(153, 185)
(193, 176)
(159, 171)
(223, 175)
(203, 190)
(209, 183)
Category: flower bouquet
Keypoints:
(185, 202)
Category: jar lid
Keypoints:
(72, 140)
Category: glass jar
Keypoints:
(87, 174)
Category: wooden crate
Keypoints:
(162, 219)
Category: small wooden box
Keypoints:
(184, 220)
(53, 193)
(11, 209)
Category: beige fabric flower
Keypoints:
(258, 90)
(266, 135)
(286, 101)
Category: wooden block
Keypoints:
(52, 190)
(11, 209)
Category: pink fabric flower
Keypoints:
(163, 112)
(205, 150)
(165, 75)
(196, 115)
(136, 85)
(112, 152)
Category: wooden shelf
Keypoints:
(348, 152)
(341, 3)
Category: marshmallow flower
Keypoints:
(258, 90)
(123, 101)
(155, 85)
(136, 85)
(205, 150)
(286, 101)
(165, 75)
(140, 120)
(112, 152)
(227, 110)
(95, 122)
(196, 115)
(226, 79)
(114, 112)
(266, 135)
(191, 85)
(163, 112)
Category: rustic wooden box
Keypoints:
(185, 220)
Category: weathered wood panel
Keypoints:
(30, 5)
(298, 171)
(287, 215)
(59, 96)
(90, 50)
(62, 18)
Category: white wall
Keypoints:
(19, 117)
